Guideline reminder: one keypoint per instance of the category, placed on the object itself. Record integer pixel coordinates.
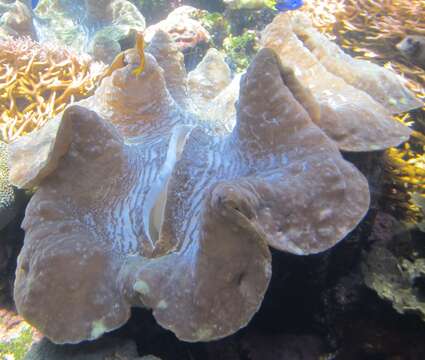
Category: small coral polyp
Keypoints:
(37, 82)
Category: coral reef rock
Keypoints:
(395, 268)
(183, 28)
(213, 93)
(356, 98)
(419, 201)
(7, 193)
(283, 347)
(104, 349)
(16, 19)
(211, 76)
(167, 214)
(102, 28)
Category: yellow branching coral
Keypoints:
(406, 167)
(37, 82)
(370, 19)
(385, 19)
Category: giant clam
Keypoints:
(141, 203)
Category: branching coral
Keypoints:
(385, 19)
(370, 20)
(406, 168)
(325, 14)
(37, 82)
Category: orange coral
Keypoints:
(37, 82)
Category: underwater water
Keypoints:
(235, 180)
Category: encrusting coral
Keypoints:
(394, 266)
(38, 82)
(168, 215)
(7, 193)
(395, 280)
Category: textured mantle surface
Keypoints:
(145, 205)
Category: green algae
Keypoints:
(17, 348)
(217, 26)
(241, 49)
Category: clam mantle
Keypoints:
(140, 203)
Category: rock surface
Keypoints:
(104, 349)
(100, 28)
(209, 79)
(16, 19)
(395, 268)
(185, 31)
